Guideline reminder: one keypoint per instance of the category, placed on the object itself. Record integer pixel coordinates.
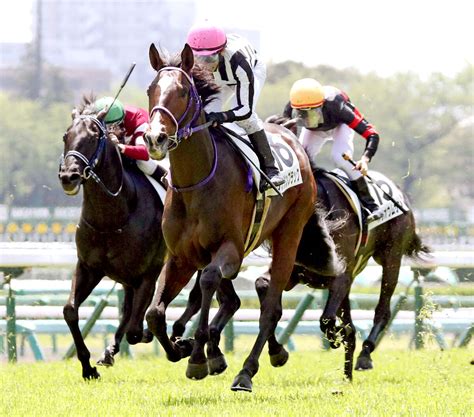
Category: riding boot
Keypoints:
(361, 188)
(264, 153)
(160, 175)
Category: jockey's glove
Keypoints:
(216, 118)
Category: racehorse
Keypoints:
(119, 231)
(387, 243)
(208, 213)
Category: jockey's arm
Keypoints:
(138, 151)
(351, 116)
(244, 92)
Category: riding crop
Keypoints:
(388, 196)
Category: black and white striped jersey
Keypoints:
(236, 65)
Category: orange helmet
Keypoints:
(306, 93)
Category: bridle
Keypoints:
(194, 103)
(88, 171)
(188, 129)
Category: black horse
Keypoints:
(119, 231)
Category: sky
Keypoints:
(371, 35)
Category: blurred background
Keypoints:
(406, 66)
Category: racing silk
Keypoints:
(135, 123)
(235, 69)
(337, 109)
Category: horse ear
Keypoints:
(187, 59)
(155, 59)
(102, 113)
(74, 113)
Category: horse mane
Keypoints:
(203, 80)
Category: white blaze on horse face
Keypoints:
(156, 125)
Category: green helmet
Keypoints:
(115, 114)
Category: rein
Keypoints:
(88, 171)
(188, 129)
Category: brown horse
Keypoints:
(208, 213)
(119, 232)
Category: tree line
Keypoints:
(425, 125)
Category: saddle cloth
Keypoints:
(390, 210)
(284, 155)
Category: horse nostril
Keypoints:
(162, 137)
(74, 177)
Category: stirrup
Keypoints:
(376, 215)
(277, 180)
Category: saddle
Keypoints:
(390, 210)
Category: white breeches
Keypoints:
(226, 100)
(148, 167)
(343, 138)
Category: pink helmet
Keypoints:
(206, 38)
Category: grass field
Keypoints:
(403, 383)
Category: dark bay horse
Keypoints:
(386, 244)
(208, 213)
(119, 232)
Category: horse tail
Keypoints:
(416, 248)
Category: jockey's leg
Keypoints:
(313, 142)
(154, 170)
(264, 153)
(344, 143)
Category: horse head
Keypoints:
(84, 142)
(173, 101)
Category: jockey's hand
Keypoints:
(216, 118)
(114, 139)
(362, 165)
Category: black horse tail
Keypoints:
(416, 249)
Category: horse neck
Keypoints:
(99, 209)
(193, 160)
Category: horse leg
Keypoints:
(192, 307)
(285, 239)
(349, 337)
(277, 352)
(338, 291)
(83, 282)
(225, 264)
(172, 280)
(142, 297)
(229, 303)
(107, 358)
(391, 268)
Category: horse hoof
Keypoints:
(92, 374)
(106, 360)
(280, 358)
(216, 365)
(197, 370)
(147, 336)
(242, 382)
(185, 346)
(364, 364)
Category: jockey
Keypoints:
(327, 113)
(237, 70)
(131, 123)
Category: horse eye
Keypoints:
(184, 92)
(65, 137)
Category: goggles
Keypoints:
(310, 117)
(208, 59)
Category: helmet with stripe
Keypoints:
(115, 114)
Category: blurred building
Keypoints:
(93, 42)
(108, 35)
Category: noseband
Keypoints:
(88, 171)
(194, 103)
